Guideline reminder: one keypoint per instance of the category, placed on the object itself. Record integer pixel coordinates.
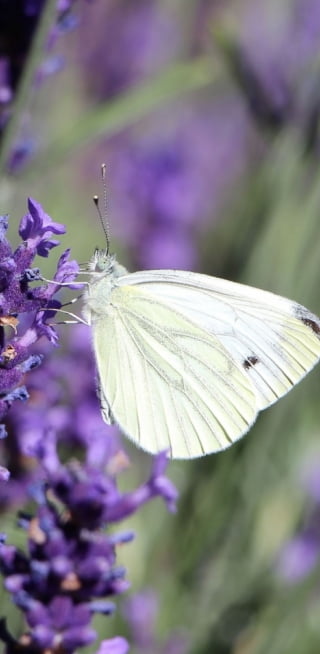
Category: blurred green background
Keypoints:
(215, 104)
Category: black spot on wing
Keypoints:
(308, 319)
(315, 326)
(250, 361)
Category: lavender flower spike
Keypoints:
(70, 571)
(21, 305)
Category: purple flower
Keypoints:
(310, 478)
(127, 43)
(69, 571)
(15, 272)
(300, 555)
(298, 558)
(116, 645)
(36, 226)
(23, 309)
(140, 611)
(64, 406)
(270, 71)
(94, 498)
(168, 181)
(19, 21)
(61, 624)
(63, 412)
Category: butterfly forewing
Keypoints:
(273, 340)
(167, 381)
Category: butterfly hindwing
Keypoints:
(274, 340)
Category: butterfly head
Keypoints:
(104, 264)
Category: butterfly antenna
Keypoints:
(104, 216)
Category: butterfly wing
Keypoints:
(167, 382)
(274, 340)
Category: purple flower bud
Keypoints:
(66, 272)
(20, 393)
(31, 363)
(31, 274)
(36, 226)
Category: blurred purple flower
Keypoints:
(170, 175)
(277, 79)
(5, 89)
(22, 152)
(310, 478)
(126, 43)
(19, 21)
(116, 645)
(298, 558)
(18, 24)
(140, 612)
(63, 400)
(300, 555)
(168, 180)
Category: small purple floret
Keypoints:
(36, 226)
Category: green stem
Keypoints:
(124, 111)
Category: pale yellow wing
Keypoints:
(275, 340)
(167, 382)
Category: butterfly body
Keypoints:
(186, 361)
(105, 273)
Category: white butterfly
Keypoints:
(186, 361)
